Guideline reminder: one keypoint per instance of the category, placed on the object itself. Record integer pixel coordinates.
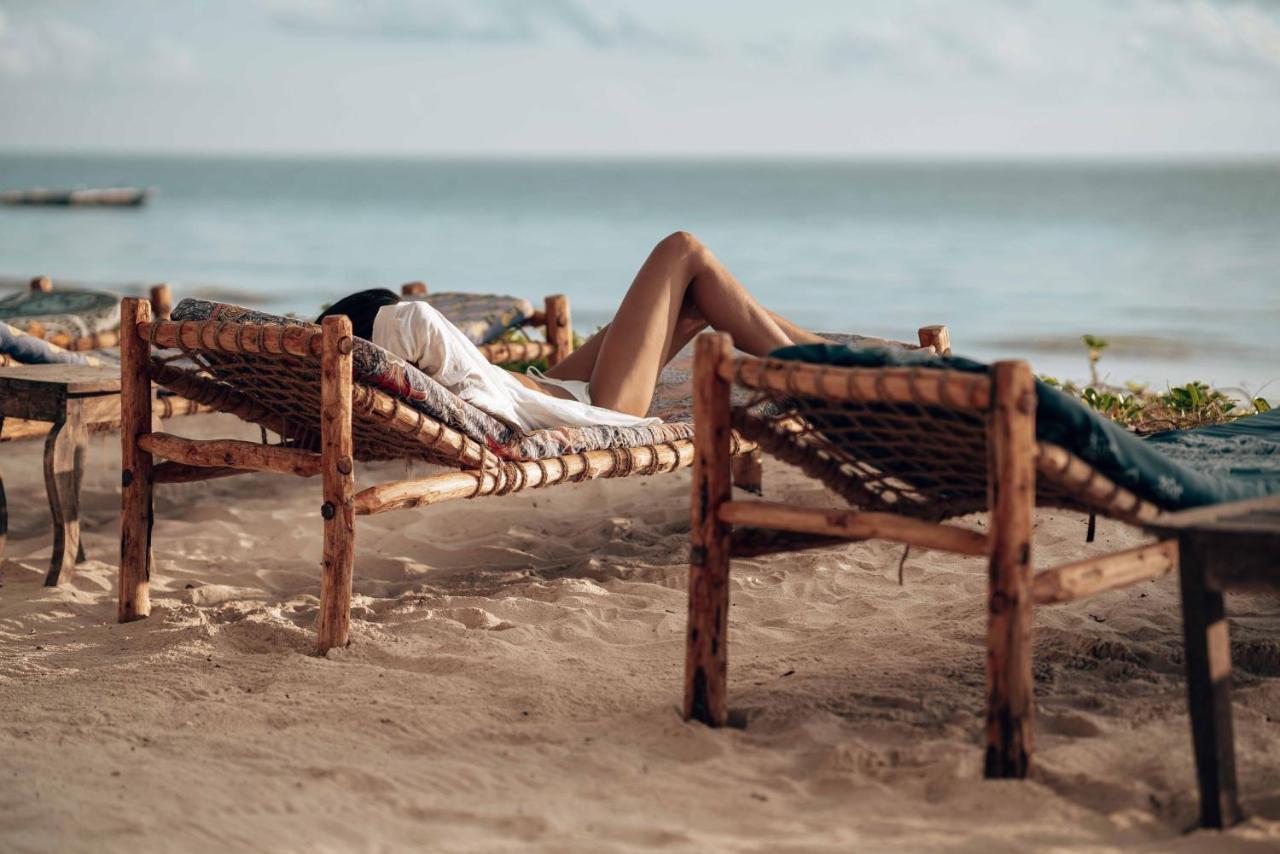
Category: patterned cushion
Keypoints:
(77, 314)
(481, 317)
(375, 366)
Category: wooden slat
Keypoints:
(854, 525)
(1109, 572)
(171, 472)
(232, 453)
(926, 386)
(1090, 487)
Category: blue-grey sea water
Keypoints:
(1178, 264)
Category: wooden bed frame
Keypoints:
(343, 406)
(1020, 472)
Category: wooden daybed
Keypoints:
(909, 446)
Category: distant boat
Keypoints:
(129, 197)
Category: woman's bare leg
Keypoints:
(680, 287)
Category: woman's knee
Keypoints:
(682, 244)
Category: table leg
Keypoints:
(64, 452)
(4, 506)
(1208, 655)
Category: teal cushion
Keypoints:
(1174, 471)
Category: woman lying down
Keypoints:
(680, 290)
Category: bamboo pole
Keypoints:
(161, 301)
(854, 525)
(706, 656)
(136, 512)
(529, 474)
(1012, 493)
(413, 289)
(938, 337)
(1090, 487)
(927, 386)
(333, 625)
(232, 453)
(266, 338)
(505, 352)
(42, 284)
(1096, 575)
(559, 328)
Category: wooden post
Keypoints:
(1208, 658)
(42, 284)
(748, 471)
(161, 302)
(559, 329)
(1011, 480)
(937, 337)
(413, 289)
(136, 514)
(337, 468)
(706, 659)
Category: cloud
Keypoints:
(1201, 47)
(493, 22)
(47, 48)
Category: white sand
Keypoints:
(514, 677)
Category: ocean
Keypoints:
(1178, 265)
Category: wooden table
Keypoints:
(71, 398)
(1224, 547)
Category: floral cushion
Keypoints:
(375, 366)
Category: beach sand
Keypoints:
(514, 677)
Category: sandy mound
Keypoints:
(514, 677)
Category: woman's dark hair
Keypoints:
(362, 308)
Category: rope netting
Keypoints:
(281, 392)
(915, 458)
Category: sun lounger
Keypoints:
(335, 400)
(910, 441)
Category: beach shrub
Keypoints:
(1145, 411)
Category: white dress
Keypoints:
(422, 336)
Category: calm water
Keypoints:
(1179, 265)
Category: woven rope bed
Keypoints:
(911, 441)
(335, 400)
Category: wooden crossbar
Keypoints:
(925, 386)
(529, 474)
(267, 339)
(854, 525)
(231, 453)
(504, 352)
(1089, 577)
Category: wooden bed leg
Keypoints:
(136, 513)
(161, 302)
(337, 468)
(559, 328)
(937, 337)
(413, 289)
(1011, 482)
(1208, 657)
(748, 471)
(706, 659)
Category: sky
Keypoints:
(827, 78)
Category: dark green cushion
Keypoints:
(1175, 470)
